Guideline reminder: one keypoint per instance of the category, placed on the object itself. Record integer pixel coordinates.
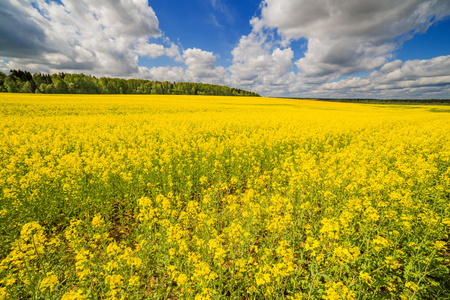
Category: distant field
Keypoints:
(203, 197)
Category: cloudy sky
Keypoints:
(297, 48)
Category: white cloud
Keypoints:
(201, 65)
(150, 50)
(345, 37)
(99, 36)
(341, 57)
(174, 52)
(397, 79)
(162, 73)
(153, 50)
(379, 20)
(351, 82)
(257, 61)
(391, 66)
(4, 66)
(198, 60)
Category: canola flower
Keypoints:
(188, 197)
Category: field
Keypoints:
(201, 197)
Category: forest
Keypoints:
(19, 81)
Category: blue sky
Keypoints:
(289, 48)
(209, 25)
(434, 42)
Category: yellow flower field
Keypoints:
(201, 197)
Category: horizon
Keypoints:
(276, 48)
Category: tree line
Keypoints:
(429, 101)
(19, 81)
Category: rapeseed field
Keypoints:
(190, 197)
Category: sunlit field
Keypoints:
(201, 197)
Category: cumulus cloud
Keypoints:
(172, 74)
(343, 38)
(97, 37)
(100, 36)
(398, 79)
(258, 62)
(330, 56)
(199, 62)
(174, 52)
(21, 36)
(150, 49)
(201, 65)
(3, 66)
(146, 49)
(379, 20)
(349, 36)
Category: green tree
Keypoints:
(23, 81)
(42, 88)
(2, 81)
(112, 87)
(11, 85)
(61, 87)
(50, 89)
(27, 88)
(103, 85)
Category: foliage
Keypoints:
(187, 197)
(23, 82)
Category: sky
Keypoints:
(285, 48)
